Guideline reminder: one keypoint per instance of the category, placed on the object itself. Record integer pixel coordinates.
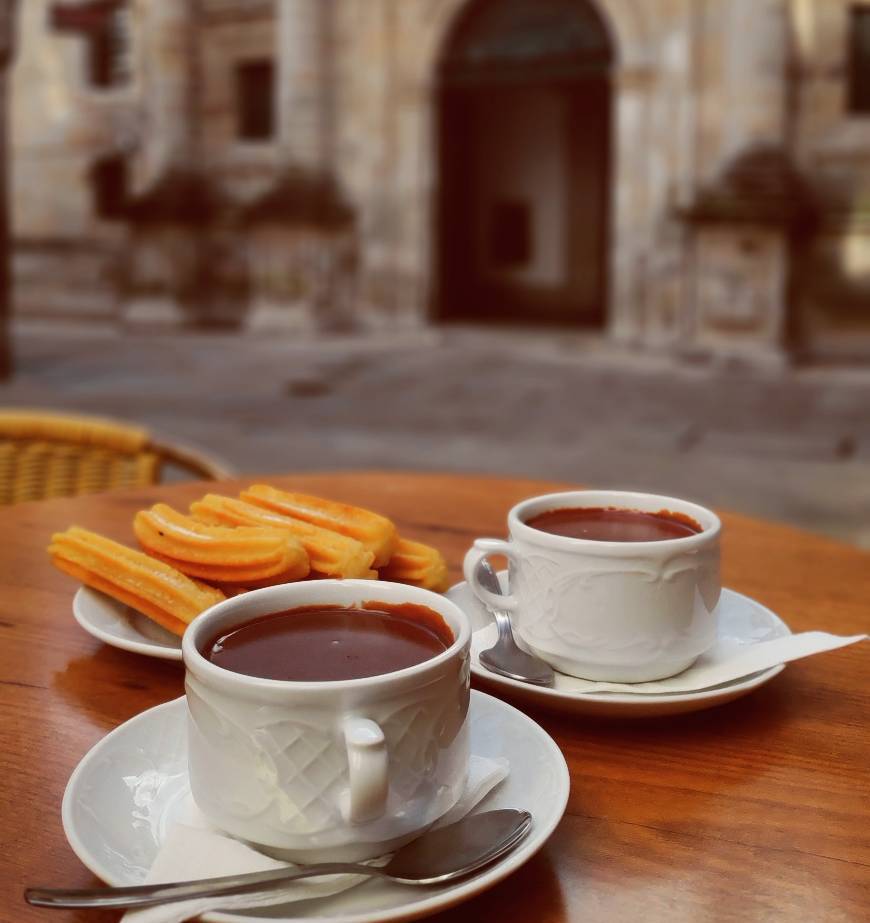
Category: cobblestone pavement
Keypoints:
(791, 445)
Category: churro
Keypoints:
(417, 564)
(374, 531)
(331, 554)
(246, 556)
(152, 587)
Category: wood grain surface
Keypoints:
(756, 810)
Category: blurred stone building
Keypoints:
(684, 175)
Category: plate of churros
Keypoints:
(142, 599)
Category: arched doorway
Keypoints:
(524, 104)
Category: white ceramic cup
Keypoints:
(613, 611)
(340, 770)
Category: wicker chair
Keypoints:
(60, 455)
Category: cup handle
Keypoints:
(367, 760)
(482, 548)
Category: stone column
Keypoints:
(170, 75)
(170, 273)
(315, 245)
(7, 44)
(756, 75)
(305, 116)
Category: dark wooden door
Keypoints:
(524, 152)
(524, 202)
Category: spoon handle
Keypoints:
(503, 625)
(489, 578)
(489, 581)
(151, 895)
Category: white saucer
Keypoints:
(741, 621)
(124, 795)
(119, 625)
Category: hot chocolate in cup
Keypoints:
(327, 769)
(609, 585)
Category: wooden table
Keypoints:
(757, 810)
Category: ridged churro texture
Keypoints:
(152, 587)
(265, 538)
(417, 564)
(249, 556)
(374, 531)
(331, 554)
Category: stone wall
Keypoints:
(698, 86)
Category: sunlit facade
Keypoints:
(689, 176)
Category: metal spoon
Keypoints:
(505, 657)
(440, 855)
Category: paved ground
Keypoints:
(792, 445)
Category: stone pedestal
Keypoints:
(300, 246)
(744, 229)
(741, 287)
(742, 223)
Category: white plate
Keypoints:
(741, 621)
(126, 792)
(119, 625)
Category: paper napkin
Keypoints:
(723, 663)
(193, 849)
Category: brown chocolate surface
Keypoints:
(322, 643)
(611, 524)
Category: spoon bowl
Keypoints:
(505, 657)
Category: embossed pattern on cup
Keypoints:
(616, 611)
(269, 760)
